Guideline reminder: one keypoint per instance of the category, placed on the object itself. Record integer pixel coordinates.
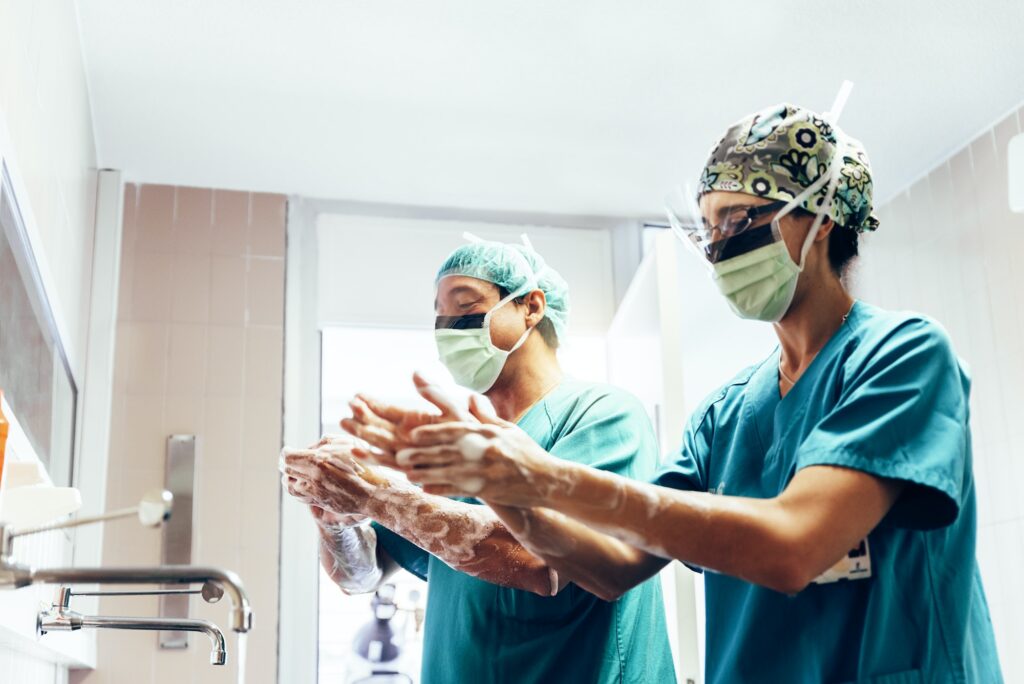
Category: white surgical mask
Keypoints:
(465, 348)
(760, 284)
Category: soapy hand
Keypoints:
(386, 428)
(326, 476)
(489, 458)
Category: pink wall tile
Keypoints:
(151, 287)
(142, 430)
(190, 288)
(187, 363)
(146, 350)
(264, 361)
(266, 231)
(264, 295)
(184, 415)
(225, 361)
(127, 265)
(219, 496)
(230, 222)
(155, 221)
(261, 433)
(121, 350)
(174, 666)
(194, 221)
(227, 290)
(222, 434)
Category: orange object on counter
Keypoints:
(4, 427)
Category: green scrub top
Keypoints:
(887, 396)
(481, 632)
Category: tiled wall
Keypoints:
(199, 351)
(44, 107)
(950, 247)
(44, 103)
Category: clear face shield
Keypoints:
(743, 228)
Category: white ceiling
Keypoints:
(571, 106)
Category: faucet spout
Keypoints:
(241, 612)
(60, 619)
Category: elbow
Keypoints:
(610, 594)
(789, 575)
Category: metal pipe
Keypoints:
(241, 612)
(218, 656)
(70, 621)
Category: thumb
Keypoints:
(483, 410)
(432, 393)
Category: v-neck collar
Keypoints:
(794, 403)
(813, 367)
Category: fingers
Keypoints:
(298, 489)
(388, 412)
(432, 456)
(432, 393)
(442, 433)
(362, 412)
(339, 469)
(456, 477)
(374, 455)
(483, 410)
(374, 435)
(311, 462)
(331, 439)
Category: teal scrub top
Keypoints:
(481, 632)
(887, 396)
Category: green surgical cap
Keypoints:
(778, 152)
(516, 268)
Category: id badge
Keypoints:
(853, 566)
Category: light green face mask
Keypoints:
(471, 357)
(760, 284)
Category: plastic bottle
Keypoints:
(4, 426)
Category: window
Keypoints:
(34, 371)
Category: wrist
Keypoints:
(391, 497)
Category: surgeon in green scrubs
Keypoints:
(496, 612)
(827, 490)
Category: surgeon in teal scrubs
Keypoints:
(495, 612)
(827, 490)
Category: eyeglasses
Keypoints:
(739, 233)
(739, 221)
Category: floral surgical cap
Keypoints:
(780, 151)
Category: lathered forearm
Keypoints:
(781, 543)
(467, 537)
(578, 554)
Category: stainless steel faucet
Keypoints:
(154, 509)
(60, 618)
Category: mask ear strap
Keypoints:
(521, 340)
(529, 287)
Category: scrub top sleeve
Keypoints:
(614, 434)
(409, 556)
(688, 469)
(902, 415)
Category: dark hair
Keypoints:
(842, 248)
(546, 328)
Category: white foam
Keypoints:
(472, 446)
